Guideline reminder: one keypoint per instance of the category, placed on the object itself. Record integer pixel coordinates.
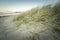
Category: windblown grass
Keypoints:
(46, 15)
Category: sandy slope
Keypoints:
(9, 32)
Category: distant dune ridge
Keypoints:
(4, 11)
(40, 23)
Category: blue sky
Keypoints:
(22, 5)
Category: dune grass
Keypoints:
(46, 14)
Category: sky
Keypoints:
(22, 5)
